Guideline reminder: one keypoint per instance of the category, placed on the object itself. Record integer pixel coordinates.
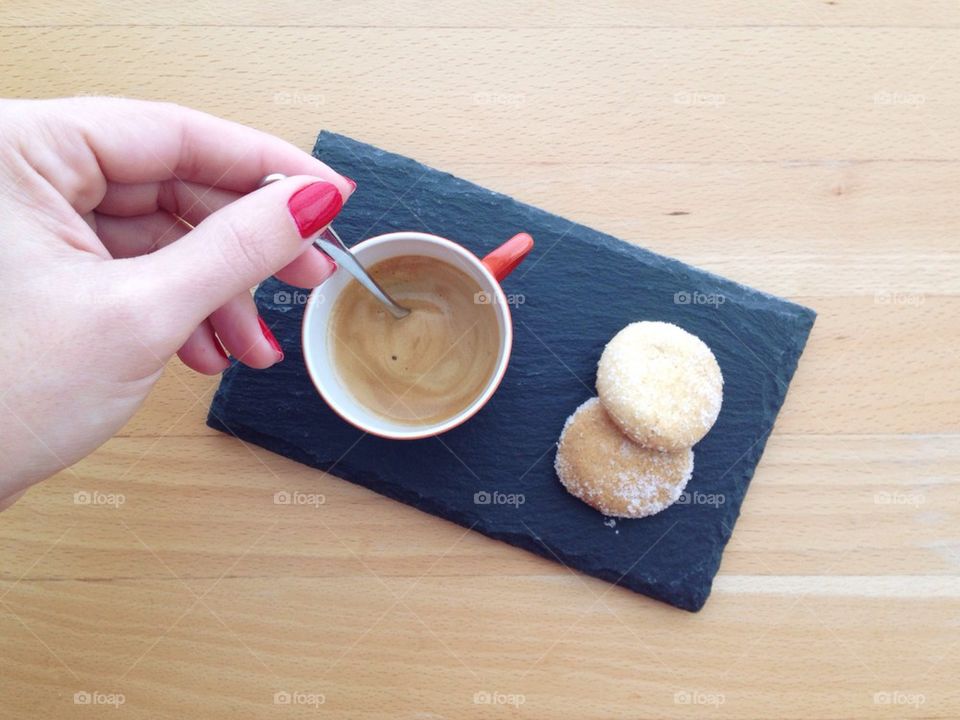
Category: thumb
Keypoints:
(242, 244)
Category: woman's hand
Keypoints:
(102, 277)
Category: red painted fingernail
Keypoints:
(314, 206)
(270, 338)
(353, 184)
(332, 266)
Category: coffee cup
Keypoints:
(321, 311)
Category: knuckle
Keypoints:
(239, 249)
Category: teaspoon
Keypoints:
(330, 243)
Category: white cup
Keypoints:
(316, 324)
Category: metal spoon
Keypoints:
(330, 243)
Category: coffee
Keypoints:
(430, 365)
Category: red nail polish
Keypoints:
(353, 184)
(333, 266)
(270, 338)
(314, 206)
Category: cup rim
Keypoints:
(497, 378)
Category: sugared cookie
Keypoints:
(661, 385)
(610, 472)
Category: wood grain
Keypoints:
(809, 149)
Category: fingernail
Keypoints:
(332, 266)
(270, 338)
(314, 206)
(353, 184)
(219, 347)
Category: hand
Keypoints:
(129, 232)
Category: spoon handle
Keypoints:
(330, 243)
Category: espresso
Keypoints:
(428, 366)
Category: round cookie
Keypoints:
(661, 385)
(599, 465)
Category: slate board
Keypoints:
(579, 287)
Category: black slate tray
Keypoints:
(579, 287)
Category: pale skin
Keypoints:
(131, 231)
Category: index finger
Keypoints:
(138, 141)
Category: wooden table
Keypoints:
(810, 150)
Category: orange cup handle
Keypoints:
(502, 261)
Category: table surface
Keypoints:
(810, 150)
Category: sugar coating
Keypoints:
(661, 385)
(613, 474)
